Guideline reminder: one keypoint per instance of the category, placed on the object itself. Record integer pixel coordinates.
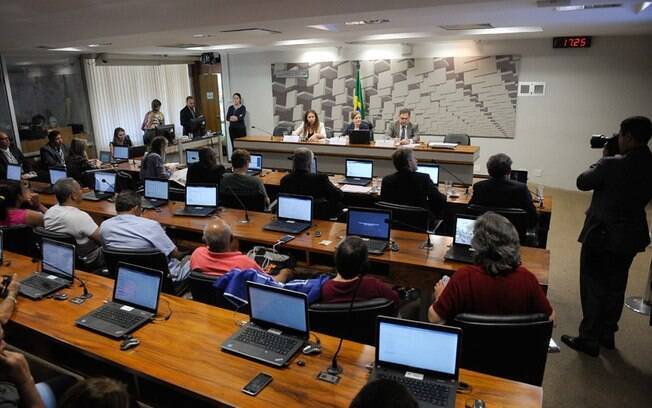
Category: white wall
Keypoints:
(587, 91)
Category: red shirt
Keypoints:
(472, 290)
(339, 292)
(219, 263)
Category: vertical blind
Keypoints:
(120, 96)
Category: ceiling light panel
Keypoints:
(304, 41)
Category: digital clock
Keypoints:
(571, 42)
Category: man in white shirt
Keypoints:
(403, 130)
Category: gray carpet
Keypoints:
(622, 377)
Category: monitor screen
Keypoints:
(418, 347)
(121, 152)
(104, 182)
(464, 230)
(203, 196)
(295, 208)
(256, 162)
(359, 168)
(137, 288)
(432, 171)
(369, 224)
(105, 156)
(14, 172)
(156, 189)
(58, 258)
(277, 308)
(192, 156)
(56, 175)
(313, 166)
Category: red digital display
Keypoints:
(571, 42)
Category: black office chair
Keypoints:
(21, 240)
(512, 346)
(202, 290)
(281, 130)
(359, 325)
(407, 217)
(149, 258)
(177, 194)
(517, 216)
(253, 201)
(80, 263)
(459, 138)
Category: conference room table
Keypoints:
(179, 362)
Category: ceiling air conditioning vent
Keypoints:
(462, 27)
(252, 30)
(182, 46)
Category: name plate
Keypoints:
(291, 139)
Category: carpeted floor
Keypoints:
(618, 378)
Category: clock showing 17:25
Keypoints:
(571, 42)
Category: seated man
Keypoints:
(66, 217)
(239, 181)
(10, 154)
(128, 230)
(500, 191)
(54, 153)
(403, 130)
(407, 187)
(497, 284)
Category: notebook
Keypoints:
(201, 200)
(56, 174)
(120, 154)
(423, 357)
(294, 214)
(358, 172)
(104, 186)
(278, 325)
(57, 270)
(461, 250)
(431, 170)
(155, 193)
(136, 293)
(14, 171)
(255, 165)
(373, 226)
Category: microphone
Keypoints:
(263, 130)
(245, 220)
(86, 294)
(457, 179)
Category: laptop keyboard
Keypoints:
(268, 341)
(116, 316)
(41, 283)
(376, 246)
(424, 391)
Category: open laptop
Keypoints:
(373, 226)
(423, 357)
(278, 325)
(57, 270)
(461, 250)
(56, 174)
(104, 186)
(120, 154)
(105, 156)
(201, 200)
(294, 214)
(192, 156)
(14, 171)
(255, 165)
(358, 172)
(135, 301)
(519, 175)
(360, 137)
(430, 169)
(155, 193)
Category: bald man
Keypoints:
(10, 153)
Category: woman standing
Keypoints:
(153, 119)
(311, 129)
(236, 115)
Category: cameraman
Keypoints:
(615, 229)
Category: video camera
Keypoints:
(602, 141)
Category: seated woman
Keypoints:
(356, 124)
(77, 161)
(311, 129)
(19, 206)
(153, 164)
(121, 138)
(206, 170)
(497, 284)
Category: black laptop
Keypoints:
(278, 326)
(294, 214)
(361, 136)
(461, 250)
(57, 270)
(14, 172)
(201, 200)
(358, 172)
(120, 154)
(192, 156)
(135, 301)
(255, 165)
(56, 174)
(519, 175)
(155, 193)
(373, 226)
(103, 188)
(423, 357)
(431, 170)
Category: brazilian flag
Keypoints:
(358, 95)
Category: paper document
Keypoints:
(385, 143)
(442, 145)
(350, 188)
(180, 176)
(338, 140)
(291, 139)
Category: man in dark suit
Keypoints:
(326, 197)
(10, 153)
(54, 153)
(407, 187)
(187, 114)
(615, 229)
(500, 191)
(403, 130)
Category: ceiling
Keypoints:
(163, 26)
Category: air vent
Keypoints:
(462, 27)
(252, 30)
(531, 89)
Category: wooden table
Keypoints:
(179, 362)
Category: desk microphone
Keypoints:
(263, 130)
(466, 186)
(86, 294)
(245, 220)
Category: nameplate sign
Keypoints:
(291, 139)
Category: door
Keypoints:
(209, 96)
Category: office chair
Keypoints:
(281, 130)
(508, 346)
(517, 216)
(176, 194)
(360, 325)
(459, 138)
(80, 263)
(253, 201)
(202, 290)
(21, 240)
(407, 217)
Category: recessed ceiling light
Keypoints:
(100, 44)
(363, 22)
(71, 49)
(217, 47)
(504, 30)
(578, 7)
(394, 36)
(303, 41)
(324, 27)
(201, 35)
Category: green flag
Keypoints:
(358, 95)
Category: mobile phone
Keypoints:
(285, 239)
(256, 385)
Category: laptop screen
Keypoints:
(105, 156)
(56, 175)
(14, 172)
(369, 224)
(464, 230)
(204, 196)
(121, 152)
(295, 208)
(256, 162)
(192, 156)
(58, 258)
(421, 346)
(156, 189)
(313, 166)
(137, 288)
(519, 175)
(359, 168)
(104, 182)
(273, 306)
(432, 170)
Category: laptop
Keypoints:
(277, 328)
(313, 166)
(56, 174)
(360, 137)
(192, 156)
(120, 154)
(57, 270)
(461, 250)
(373, 226)
(201, 200)
(105, 156)
(135, 301)
(104, 186)
(358, 172)
(430, 169)
(155, 193)
(14, 171)
(256, 165)
(519, 175)
(294, 214)
(423, 357)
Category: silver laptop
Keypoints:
(201, 200)
(294, 214)
(423, 357)
(461, 250)
(431, 170)
(358, 172)
(256, 164)
(155, 193)
(14, 172)
(192, 156)
(278, 325)
(373, 226)
(136, 293)
(120, 154)
(57, 270)
(103, 188)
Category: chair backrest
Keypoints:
(253, 201)
(40, 233)
(513, 346)
(150, 258)
(21, 240)
(201, 287)
(176, 194)
(459, 138)
(281, 130)
(517, 216)
(407, 217)
(359, 325)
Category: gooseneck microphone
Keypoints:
(105, 181)
(86, 294)
(245, 220)
(263, 130)
(466, 186)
